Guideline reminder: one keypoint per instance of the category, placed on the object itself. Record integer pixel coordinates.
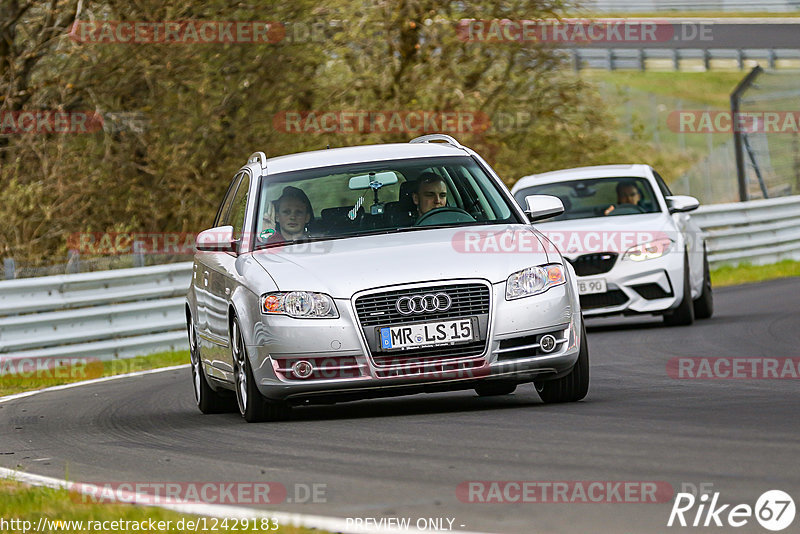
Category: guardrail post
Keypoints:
(10, 267)
(576, 59)
(612, 64)
(642, 60)
(707, 59)
(73, 261)
(138, 254)
(740, 58)
(676, 59)
(772, 58)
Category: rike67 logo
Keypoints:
(774, 510)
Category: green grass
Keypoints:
(18, 501)
(10, 383)
(746, 273)
(705, 88)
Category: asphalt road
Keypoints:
(405, 457)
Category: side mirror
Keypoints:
(543, 207)
(682, 203)
(219, 239)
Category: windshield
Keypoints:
(377, 197)
(598, 197)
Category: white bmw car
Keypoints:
(632, 242)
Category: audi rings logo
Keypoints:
(424, 303)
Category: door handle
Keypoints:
(205, 279)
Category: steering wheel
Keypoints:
(440, 216)
(626, 209)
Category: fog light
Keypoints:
(547, 343)
(302, 369)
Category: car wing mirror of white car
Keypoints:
(219, 239)
(543, 207)
(682, 203)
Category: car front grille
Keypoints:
(596, 263)
(615, 297)
(379, 310)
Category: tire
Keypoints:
(207, 400)
(683, 315)
(252, 405)
(499, 388)
(704, 305)
(572, 387)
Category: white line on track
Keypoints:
(332, 524)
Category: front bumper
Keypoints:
(346, 370)
(648, 287)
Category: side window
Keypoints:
(222, 212)
(662, 185)
(239, 207)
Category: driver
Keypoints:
(431, 193)
(627, 193)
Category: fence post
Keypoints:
(10, 268)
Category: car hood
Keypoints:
(342, 267)
(607, 234)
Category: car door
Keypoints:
(212, 345)
(692, 236)
(222, 278)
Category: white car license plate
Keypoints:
(426, 334)
(595, 285)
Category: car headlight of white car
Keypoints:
(534, 280)
(649, 251)
(299, 304)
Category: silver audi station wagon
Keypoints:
(376, 271)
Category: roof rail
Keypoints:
(450, 140)
(258, 157)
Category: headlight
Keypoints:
(534, 280)
(300, 304)
(648, 251)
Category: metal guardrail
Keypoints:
(677, 58)
(646, 6)
(129, 312)
(104, 315)
(757, 231)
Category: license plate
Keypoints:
(426, 334)
(594, 285)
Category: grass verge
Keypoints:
(30, 503)
(747, 273)
(79, 370)
(711, 88)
